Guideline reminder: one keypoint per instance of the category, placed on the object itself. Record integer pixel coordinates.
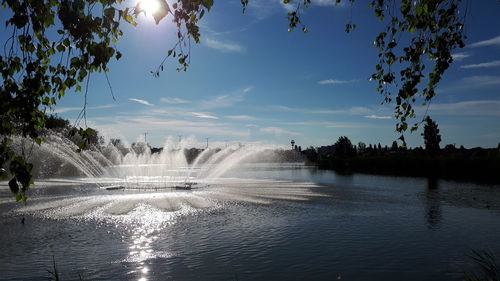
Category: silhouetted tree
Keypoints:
(343, 148)
(431, 135)
(361, 147)
(55, 122)
(394, 146)
(450, 148)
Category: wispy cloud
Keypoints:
(465, 108)
(329, 3)
(482, 65)
(460, 56)
(277, 131)
(472, 82)
(373, 116)
(173, 100)
(224, 46)
(345, 125)
(490, 42)
(68, 109)
(481, 81)
(225, 100)
(129, 126)
(241, 117)
(355, 110)
(336, 81)
(204, 115)
(145, 102)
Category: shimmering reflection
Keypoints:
(145, 222)
(145, 216)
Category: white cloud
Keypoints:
(67, 109)
(141, 101)
(277, 131)
(480, 81)
(373, 116)
(460, 56)
(482, 65)
(204, 115)
(476, 107)
(330, 3)
(335, 81)
(241, 117)
(131, 126)
(350, 125)
(490, 42)
(173, 100)
(225, 100)
(356, 110)
(223, 46)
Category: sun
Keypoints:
(150, 6)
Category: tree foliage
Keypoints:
(343, 148)
(431, 135)
(55, 45)
(53, 48)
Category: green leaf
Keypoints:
(14, 186)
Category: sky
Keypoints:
(252, 81)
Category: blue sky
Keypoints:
(252, 81)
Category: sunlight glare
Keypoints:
(150, 6)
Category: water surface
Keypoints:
(259, 221)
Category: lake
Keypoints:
(256, 222)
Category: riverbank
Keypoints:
(476, 166)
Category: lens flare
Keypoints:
(150, 6)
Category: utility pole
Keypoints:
(145, 137)
(207, 141)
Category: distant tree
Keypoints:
(379, 147)
(296, 148)
(450, 148)
(431, 135)
(55, 122)
(361, 147)
(498, 146)
(394, 146)
(343, 148)
(300, 148)
(311, 154)
(293, 144)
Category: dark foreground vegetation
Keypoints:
(475, 164)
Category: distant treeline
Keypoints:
(475, 164)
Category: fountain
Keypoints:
(115, 166)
